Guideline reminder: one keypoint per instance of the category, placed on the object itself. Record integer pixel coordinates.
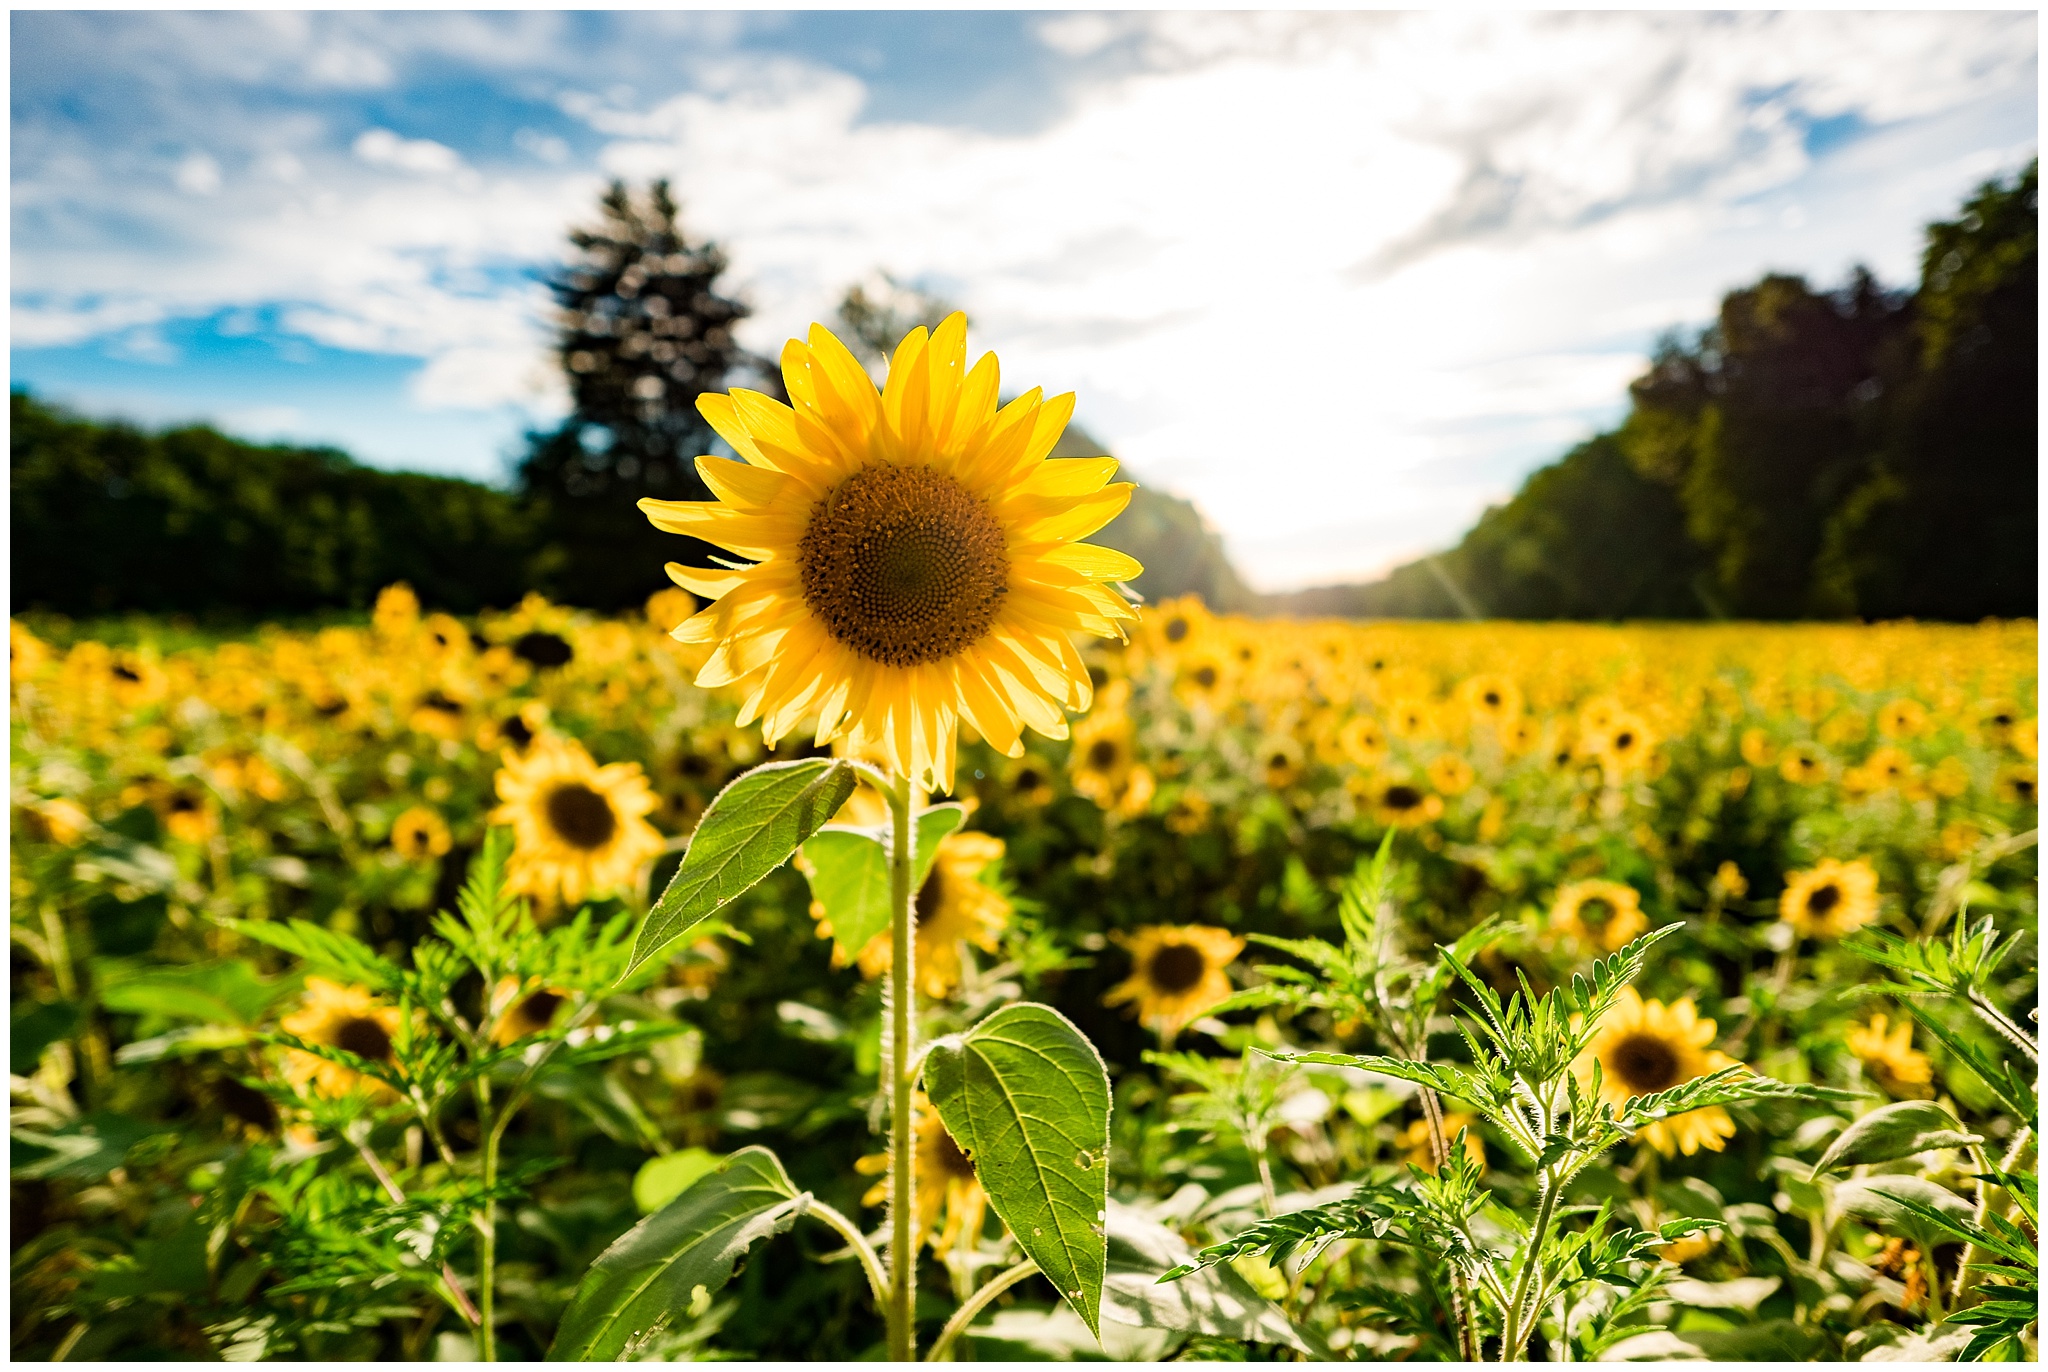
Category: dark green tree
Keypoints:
(642, 331)
(1946, 525)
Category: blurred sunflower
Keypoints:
(1176, 974)
(1831, 899)
(1802, 765)
(1450, 774)
(915, 552)
(579, 828)
(1492, 699)
(1950, 778)
(520, 1016)
(2018, 785)
(420, 833)
(1203, 678)
(1624, 744)
(946, 1187)
(1902, 718)
(185, 812)
(954, 907)
(1404, 802)
(335, 1015)
(1421, 1148)
(1029, 781)
(1890, 1058)
(1598, 914)
(1363, 740)
(1279, 761)
(1644, 1047)
(1102, 756)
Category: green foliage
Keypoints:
(849, 873)
(108, 518)
(750, 829)
(669, 1265)
(1027, 1097)
(1898, 1130)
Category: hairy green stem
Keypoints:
(857, 1243)
(1461, 1298)
(1515, 1328)
(1996, 1018)
(487, 1259)
(976, 1303)
(901, 1058)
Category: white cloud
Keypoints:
(197, 174)
(1338, 277)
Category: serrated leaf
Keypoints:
(2014, 1090)
(1927, 1212)
(657, 1268)
(851, 873)
(1216, 1301)
(1898, 1130)
(1026, 1095)
(750, 829)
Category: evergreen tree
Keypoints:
(642, 331)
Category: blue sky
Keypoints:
(1342, 279)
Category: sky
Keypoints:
(1341, 279)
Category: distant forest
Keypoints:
(1858, 452)
(1854, 453)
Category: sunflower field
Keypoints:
(922, 950)
(202, 1166)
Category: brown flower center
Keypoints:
(364, 1037)
(904, 565)
(946, 1157)
(1595, 913)
(581, 817)
(1824, 899)
(1103, 754)
(1176, 629)
(931, 896)
(538, 1009)
(1205, 677)
(1644, 1064)
(1402, 798)
(543, 649)
(1176, 967)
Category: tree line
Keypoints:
(1856, 452)
(1810, 454)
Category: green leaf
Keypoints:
(2013, 1089)
(750, 829)
(661, 1180)
(1928, 1213)
(225, 992)
(1215, 1300)
(1026, 1095)
(1898, 1130)
(676, 1258)
(345, 955)
(851, 869)
(37, 1025)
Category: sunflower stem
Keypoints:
(901, 1059)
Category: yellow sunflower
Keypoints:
(1421, 1148)
(1890, 1057)
(2019, 785)
(1177, 973)
(914, 554)
(1279, 761)
(1803, 765)
(523, 1015)
(1029, 781)
(344, 1017)
(947, 1188)
(1645, 1046)
(1599, 914)
(1450, 774)
(1203, 677)
(1363, 740)
(420, 833)
(1102, 757)
(579, 829)
(1492, 698)
(953, 907)
(1902, 718)
(1403, 802)
(1830, 900)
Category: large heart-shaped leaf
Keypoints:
(750, 829)
(1898, 1130)
(1026, 1095)
(851, 873)
(676, 1257)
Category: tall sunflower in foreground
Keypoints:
(912, 554)
(1644, 1047)
(578, 829)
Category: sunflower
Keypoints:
(953, 907)
(1279, 761)
(1203, 677)
(1830, 900)
(1802, 765)
(1177, 973)
(1902, 718)
(397, 612)
(2019, 785)
(1028, 781)
(59, 821)
(947, 1188)
(344, 1017)
(185, 812)
(1450, 774)
(1177, 625)
(1102, 756)
(670, 606)
(1729, 882)
(1624, 744)
(1888, 767)
(1756, 748)
(1599, 914)
(914, 554)
(1363, 740)
(1493, 698)
(1422, 1147)
(1890, 1058)
(420, 833)
(579, 828)
(1403, 802)
(1644, 1047)
(522, 1015)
